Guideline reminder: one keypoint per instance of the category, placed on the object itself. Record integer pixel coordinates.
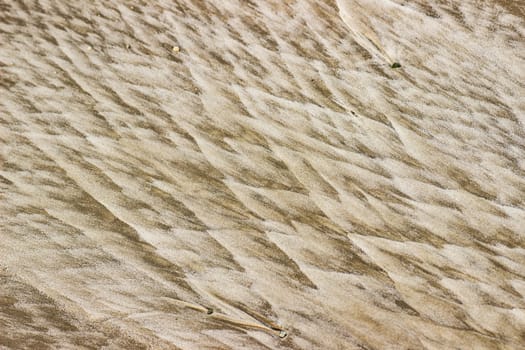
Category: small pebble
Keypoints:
(176, 49)
(395, 65)
(283, 334)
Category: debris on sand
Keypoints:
(176, 49)
(395, 65)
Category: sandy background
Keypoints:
(270, 183)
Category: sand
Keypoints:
(255, 174)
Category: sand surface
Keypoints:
(216, 174)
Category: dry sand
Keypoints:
(254, 175)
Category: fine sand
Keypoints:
(235, 174)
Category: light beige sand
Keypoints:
(270, 184)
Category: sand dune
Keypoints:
(254, 175)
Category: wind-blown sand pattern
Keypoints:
(271, 184)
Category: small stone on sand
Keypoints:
(176, 49)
